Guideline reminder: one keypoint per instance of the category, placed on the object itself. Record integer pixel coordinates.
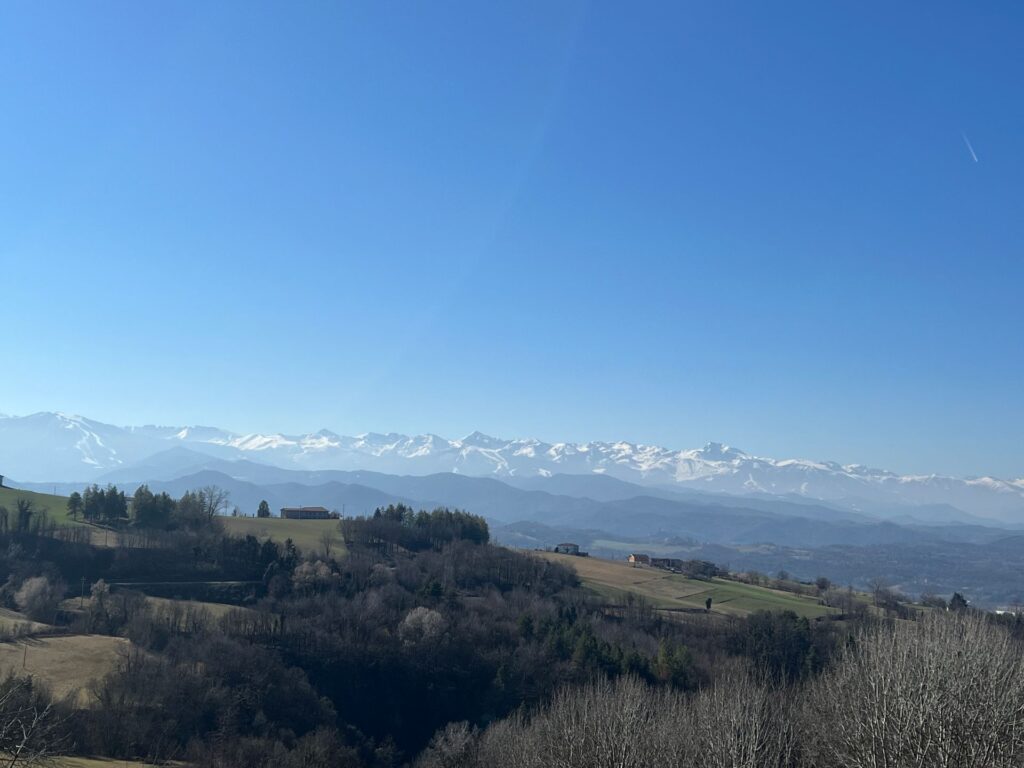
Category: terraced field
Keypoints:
(670, 591)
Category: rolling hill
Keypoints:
(54, 506)
(670, 591)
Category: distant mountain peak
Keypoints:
(480, 440)
(721, 452)
(59, 447)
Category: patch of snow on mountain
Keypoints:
(58, 446)
(262, 442)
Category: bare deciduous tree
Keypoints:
(627, 724)
(38, 597)
(452, 747)
(28, 725)
(327, 544)
(421, 625)
(737, 723)
(947, 690)
(214, 500)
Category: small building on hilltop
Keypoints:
(639, 559)
(567, 548)
(306, 513)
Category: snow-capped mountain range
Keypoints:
(56, 447)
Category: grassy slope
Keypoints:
(99, 762)
(12, 621)
(65, 663)
(55, 506)
(668, 590)
(216, 610)
(305, 533)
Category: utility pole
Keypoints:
(81, 603)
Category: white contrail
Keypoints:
(969, 147)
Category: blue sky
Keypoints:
(673, 223)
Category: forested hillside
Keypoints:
(420, 642)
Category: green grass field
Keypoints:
(55, 506)
(307, 534)
(668, 591)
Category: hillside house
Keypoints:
(639, 559)
(567, 549)
(306, 513)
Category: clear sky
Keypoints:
(756, 223)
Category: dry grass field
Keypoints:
(308, 535)
(216, 610)
(67, 664)
(669, 591)
(12, 622)
(100, 762)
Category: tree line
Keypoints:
(402, 526)
(110, 506)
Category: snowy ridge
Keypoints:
(58, 446)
